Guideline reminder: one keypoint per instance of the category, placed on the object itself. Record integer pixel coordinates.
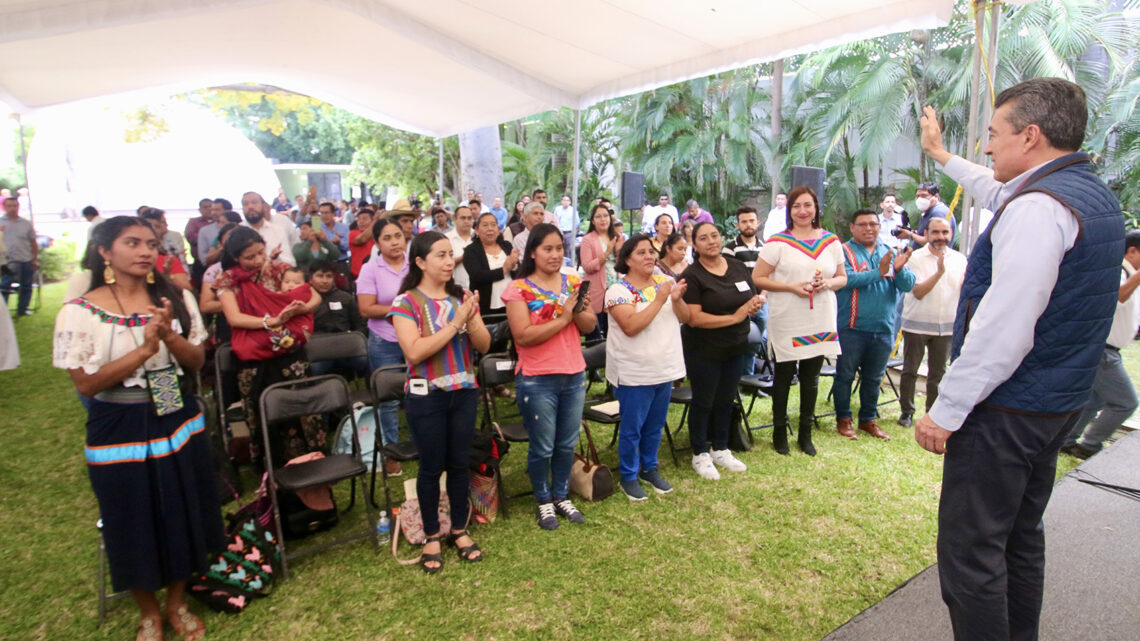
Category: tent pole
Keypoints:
(574, 174)
(24, 163)
(440, 140)
(972, 137)
(987, 103)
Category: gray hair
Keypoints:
(1057, 106)
(689, 204)
(532, 206)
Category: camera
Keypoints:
(897, 231)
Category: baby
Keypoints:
(292, 279)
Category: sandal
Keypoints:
(466, 553)
(150, 629)
(187, 625)
(426, 558)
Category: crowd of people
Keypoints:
(673, 301)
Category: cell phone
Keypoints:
(583, 289)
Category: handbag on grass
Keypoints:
(410, 522)
(588, 477)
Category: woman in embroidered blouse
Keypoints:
(151, 473)
(599, 250)
(801, 268)
(550, 376)
(648, 310)
(437, 325)
(248, 279)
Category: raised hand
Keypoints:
(932, 136)
(665, 289)
(679, 290)
(885, 263)
(942, 264)
(902, 258)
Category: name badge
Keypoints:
(742, 286)
(336, 306)
(418, 387)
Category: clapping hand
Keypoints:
(885, 263)
(678, 290)
(292, 309)
(902, 258)
(158, 326)
(665, 289)
(467, 309)
(511, 261)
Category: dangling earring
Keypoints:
(150, 278)
(108, 273)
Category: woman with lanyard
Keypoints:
(377, 287)
(647, 309)
(720, 296)
(547, 323)
(129, 343)
(599, 250)
(489, 262)
(801, 267)
(268, 329)
(437, 325)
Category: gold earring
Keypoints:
(150, 278)
(108, 273)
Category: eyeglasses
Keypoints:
(867, 225)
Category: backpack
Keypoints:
(366, 429)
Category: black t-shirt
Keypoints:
(337, 313)
(721, 296)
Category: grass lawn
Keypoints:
(788, 550)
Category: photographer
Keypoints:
(892, 220)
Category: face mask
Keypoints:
(922, 203)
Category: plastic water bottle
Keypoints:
(383, 528)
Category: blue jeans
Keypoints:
(24, 273)
(866, 353)
(382, 352)
(442, 425)
(358, 365)
(757, 336)
(551, 407)
(643, 409)
(1113, 401)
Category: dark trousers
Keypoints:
(809, 389)
(442, 425)
(22, 274)
(714, 383)
(937, 352)
(997, 477)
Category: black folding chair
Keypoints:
(682, 396)
(595, 357)
(494, 370)
(829, 370)
(341, 346)
(757, 386)
(302, 397)
(387, 384)
(225, 364)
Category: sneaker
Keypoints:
(567, 509)
(547, 520)
(725, 459)
(906, 420)
(393, 468)
(704, 467)
(660, 485)
(633, 490)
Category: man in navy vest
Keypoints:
(1035, 308)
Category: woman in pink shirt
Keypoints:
(551, 374)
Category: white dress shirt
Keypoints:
(1029, 242)
(776, 222)
(275, 237)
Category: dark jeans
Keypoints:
(865, 353)
(24, 274)
(997, 477)
(809, 389)
(714, 383)
(442, 425)
(937, 352)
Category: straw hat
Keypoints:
(401, 208)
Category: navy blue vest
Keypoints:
(1056, 376)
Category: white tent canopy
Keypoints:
(437, 67)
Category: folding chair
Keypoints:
(758, 386)
(341, 346)
(595, 357)
(225, 364)
(682, 396)
(499, 369)
(387, 384)
(894, 362)
(101, 587)
(302, 397)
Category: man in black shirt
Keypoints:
(337, 313)
(745, 248)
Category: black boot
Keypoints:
(804, 439)
(780, 437)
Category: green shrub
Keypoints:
(58, 261)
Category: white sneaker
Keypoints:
(703, 465)
(725, 459)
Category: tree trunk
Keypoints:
(481, 163)
(777, 125)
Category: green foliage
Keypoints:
(408, 161)
(58, 261)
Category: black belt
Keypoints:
(1112, 347)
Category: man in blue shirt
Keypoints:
(866, 320)
(929, 205)
(336, 233)
(501, 213)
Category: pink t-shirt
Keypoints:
(561, 353)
